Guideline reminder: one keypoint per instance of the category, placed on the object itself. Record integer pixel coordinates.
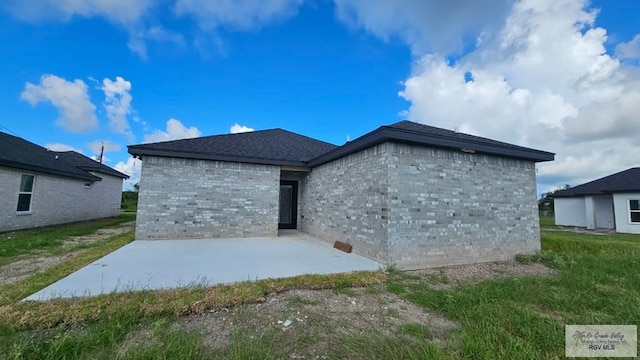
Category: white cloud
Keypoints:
(61, 147)
(629, 50)
(117, 103)
(120, 12)
(128, 15)
(175, 130)
(139, 17)
(105, 160)
(138, 40)
(425, 25)
(95, 146)
(237, 128)
(237, 14)
(77, 112)
(544, 80)
(132, 168)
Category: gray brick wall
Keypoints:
(419, 207)
(449, 207)
(400, 204)
(197, 199)
(347, 200)
(57, 200)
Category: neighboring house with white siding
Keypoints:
(611, 202)
(406, 194)
(40, 187)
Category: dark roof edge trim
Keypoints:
(385, 133)
(608, 192)
(380, 135)
(215, 157)
(579, 195)
(366, 141)
(112, 172)
(34, 168)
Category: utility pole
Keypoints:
(101, 152)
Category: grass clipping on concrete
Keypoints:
(14, 292)
(182, 301)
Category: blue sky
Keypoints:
(562, 76)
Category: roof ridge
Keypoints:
(616, 182)
(606, 176)
(89, 163)
(269, 146)
(306, 136)
(285, 147)
(20, 153)
(452, 132)
(208, 136)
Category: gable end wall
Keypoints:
(450, 207)
(622, 217)
(57, 199)
(199, 199)
(570, 211)
(347, 200)
(418, 207)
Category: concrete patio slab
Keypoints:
(162, 264)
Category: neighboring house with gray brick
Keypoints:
(406, 194)
(611, 202)
(39, 187)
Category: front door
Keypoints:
(288, 218)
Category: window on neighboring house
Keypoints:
(634, 210)
(26, 191)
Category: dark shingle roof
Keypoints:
(21, 154)
(414, 133)
(448, 134)
(624, 181)
(84, 163)
(280, 147)
(275, 146)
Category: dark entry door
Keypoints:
(288, 218)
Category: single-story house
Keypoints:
(40, 187)
(611, 202)
(406, 194)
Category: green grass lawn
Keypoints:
(547, 222)
(524, 318)
(129, 201)
(597, 282)
(50, 238)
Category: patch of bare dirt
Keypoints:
(99, 235)
(21, 269)
(25, 266)
(582, 230)
(447, 277)
(139, 337)
(544, 312)
(323, 315)
(328, 316)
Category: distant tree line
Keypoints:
(130, 198)
(545, 203)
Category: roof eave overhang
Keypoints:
(384, 134)
(572, 196)
(115, 173)
(378, 136)
(39, 169)
(608, 192)
(140, 152)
